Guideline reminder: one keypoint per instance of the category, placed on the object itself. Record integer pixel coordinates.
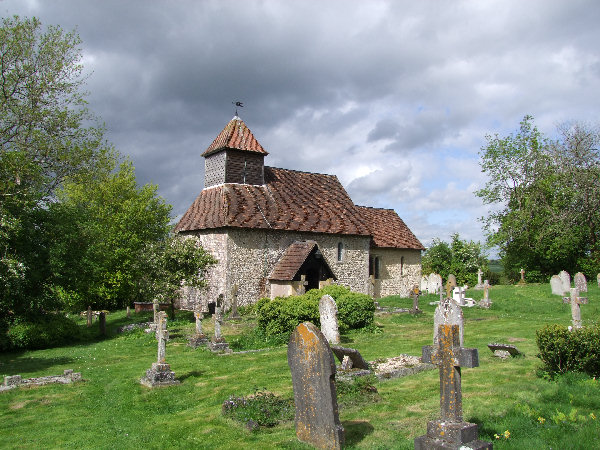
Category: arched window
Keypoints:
(340, 255)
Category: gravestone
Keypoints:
(160, 374)
(566, 281)
(102, 323)
(575, 301)
(434, 283)
(414, 294)
(504, 350)
(424, 283)
(234, 315)
(479, 285)
(218, 343)
(486, 303)
(556, 285)
(598, 279)
(447, 313)
(313, 373)
(580, 282)
(458, 295)
(198, 338)
(522, 280)
(89, 316)
(328, 313)
(452, 280)
(128, 312)
(356, 359)
(450, 431)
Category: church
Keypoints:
(279, 232)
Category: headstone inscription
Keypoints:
(160, 374)
(556, 285)
(313, 370)
(566, 281)
(328, 313)
(576, 301)
(450, 431)
(580, 282)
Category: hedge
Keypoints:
(564, 351)
(283, 314)
(46, 331)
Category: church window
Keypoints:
(340, 252)
(402, 265)
(374, 266)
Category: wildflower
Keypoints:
(506, 434)
(541, 420)
(592, 416)
(496, 436)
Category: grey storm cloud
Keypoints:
(349, 87)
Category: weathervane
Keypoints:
(240, 104)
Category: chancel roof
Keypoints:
(236, 135)
(388, 229)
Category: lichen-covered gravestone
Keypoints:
(556, 285)
(199, 338)
(486, 302)
(447, 313)
(450, 431)
(160, 374)
(580, 282)
(452, 280)
(566, 281)
(313, 370)
(434, 283)
(328, 314)
(575, 301)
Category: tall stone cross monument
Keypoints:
(450, 431)
(576, 301)
(160, 374)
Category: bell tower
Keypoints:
(235, 156)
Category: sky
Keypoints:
(395, 97)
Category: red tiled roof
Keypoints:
(291, 260)
(289, 200)
(388, 229)
(235, 135)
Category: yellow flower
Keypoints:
(541, 420)
(496, 436)
(592, 416)
(506, 434)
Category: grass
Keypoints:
(111, 409)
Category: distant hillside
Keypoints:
(495, 266)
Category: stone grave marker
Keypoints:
(328, 313)
(424, 283)
(450, 431)
(447, 313)
(102, 323)
(434, 283)
(356, 359)
(566, 281)
(504, 350)
(556, 285)
(598, 279)
(89, 316)
(198, 338)
(580, 282)
(218, 343)
(414, 294)
(576, 301)
(479, 285)
(452, 280)
(234, 315)
(128, 312)
(486, 303)
(313, 371)
(458, 295)
(522, 280)
(160, 374)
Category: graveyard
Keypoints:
(513, 404)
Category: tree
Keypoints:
(46, 135)
(461, 258)
(101, 230)
(544, 193)
(170, 264)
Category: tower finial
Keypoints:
(240, 104)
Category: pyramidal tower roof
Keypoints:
(236, 135)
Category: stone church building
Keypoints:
(278, 232)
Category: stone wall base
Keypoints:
(160, 374)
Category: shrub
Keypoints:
(263, 409)
(564, 351)
(46, 331)
(283, 314)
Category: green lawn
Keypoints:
(112, 410)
